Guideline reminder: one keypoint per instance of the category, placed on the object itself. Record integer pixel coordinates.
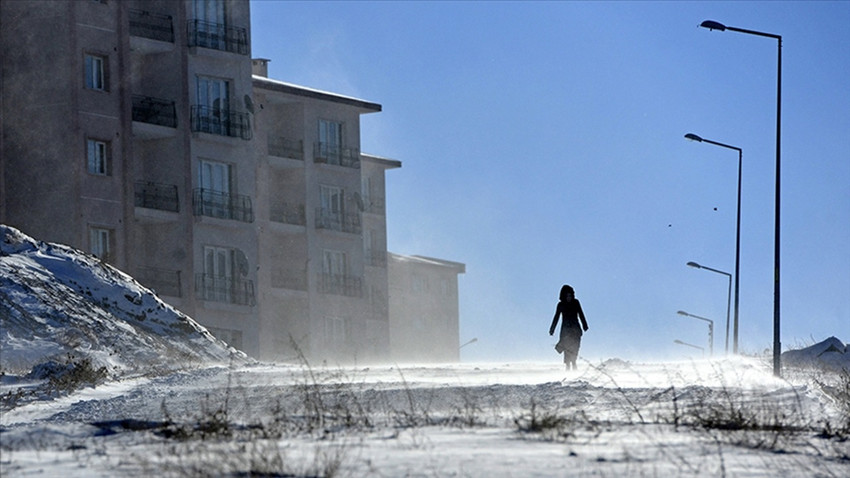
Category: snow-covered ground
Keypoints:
(101, 378)
(713, 418)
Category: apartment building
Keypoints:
(136, 130)
(424, 308)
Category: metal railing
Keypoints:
(286, 213)
(327, 153)
(337, 284)
(210, 203)
(286, 148)
(156, 196)
(337, 221)
(229, 290)
(154, 111)
(162, 281)
(217, 36)
(154, 26)
(223, 122)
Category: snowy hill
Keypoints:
(59, 305)
(830, 354)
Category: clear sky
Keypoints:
(543, 143)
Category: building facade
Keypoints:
(424, 309)
(143, 132)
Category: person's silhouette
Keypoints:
(569, 310)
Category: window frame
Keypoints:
(98, 157)
(100, 242)
(96, 71)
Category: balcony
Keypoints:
(337, 221)
(220, 205)
(152, 26)
(222, 122)
(228, 290)
(156, 196)
(217, 36)
(326, 153)
(286, 213)
(337, 284)
(162, 281)
(154, 111)
(286, 148)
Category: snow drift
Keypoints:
(57, 302)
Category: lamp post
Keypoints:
(728, 300)
(677, 341)
(712, 25)
(710, 329)
(694, 137)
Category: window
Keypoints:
(210, 11)
(213, 95)
(330, 133)
(214, 176)
(97, 153)
(214, 181)
(96, 72)
(100, 243)
(333, 264)
(218, 273)
(331, 201)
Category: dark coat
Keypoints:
(571, 313)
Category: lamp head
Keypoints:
(694, 264)
(682, 312)
(712, 25)
(693, 137)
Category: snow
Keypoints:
(176, 402)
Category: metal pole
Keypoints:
(777, 345)
(737, 259)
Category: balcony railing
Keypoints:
(151, 25)
(286, 213)
(156, 196)
(206, 119)
(337, 221)
(337, 155)
(289, 279)
(337, 284)
(286, 148)
(161, 281)
(229, 290)
(154, 111)
(222, 205)
(217, 36)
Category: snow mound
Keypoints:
(831, 354)
(59, 304)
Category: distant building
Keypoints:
(424, 309)
(143, 132)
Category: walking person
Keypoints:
(570, 313)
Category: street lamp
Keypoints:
(728, 300)
(694, 137)
(710, 329)
(712, 25)
(677, 341)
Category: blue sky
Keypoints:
(543, 143)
